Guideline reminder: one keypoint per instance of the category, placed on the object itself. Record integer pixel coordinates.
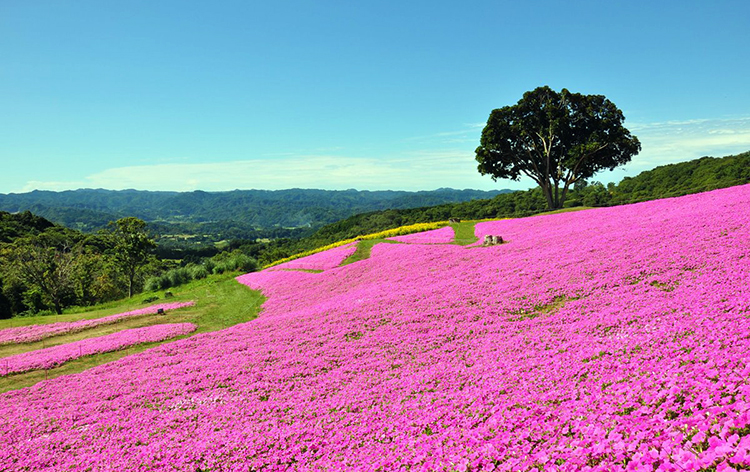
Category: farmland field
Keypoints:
(606, 339)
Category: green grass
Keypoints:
(364, 248)
(564, 210)
(465, 229)
(464, 235)
(220, 302)
(464, 232)
(81, 313)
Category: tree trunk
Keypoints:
(564, 193)
(58, 307)
(557, 197)
(547, 190)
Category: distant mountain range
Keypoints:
(92, 209)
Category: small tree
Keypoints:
(47, 267)
(131, 248)
(555, 139)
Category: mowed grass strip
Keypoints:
(464, 233)
(95, 332)
(220, 302)
(364, 248)
(84, 313)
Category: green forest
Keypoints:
(46, 267)
(206, 217)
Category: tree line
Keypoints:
(45, 268)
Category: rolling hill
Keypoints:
(606, 339)
(92, 209)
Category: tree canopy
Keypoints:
(132, 248)
(555, 139)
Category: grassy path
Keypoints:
(364, 248)
(220, 302)
(464, 235)
(464, 232)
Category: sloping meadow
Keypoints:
(50, 357)
(31, 333)
(609, 339)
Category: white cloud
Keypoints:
(446, 159)
(421, 170)
(50, 185)
(469, 132)
(676, 141)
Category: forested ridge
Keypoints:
(201, 212)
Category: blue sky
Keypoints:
(183, 95)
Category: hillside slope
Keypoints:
(18, 225)
(608, 339)
(673, 180)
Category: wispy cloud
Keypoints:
(469, 132)
(669, 142)
(443, 159)
(676, 141)
(419, 170)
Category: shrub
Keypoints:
(222, 267)
(178, 276)
(152, 284)
(245, 263)
(199, 272)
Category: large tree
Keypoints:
(46, 263)
(131, 248)
(556, 139)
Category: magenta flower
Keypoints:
(442, 235)
(601, 340)
(50, 357)
(31, 333)
(320, 261)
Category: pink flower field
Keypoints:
(608, 339)
(442, 235)
(320, 261)
(27, 334)
(53, 356)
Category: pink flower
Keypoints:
(607, 339)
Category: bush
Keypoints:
(199, 272)
(178, 276)
(222, 267)
(245, 263)
(152, 284)
(224, 262)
